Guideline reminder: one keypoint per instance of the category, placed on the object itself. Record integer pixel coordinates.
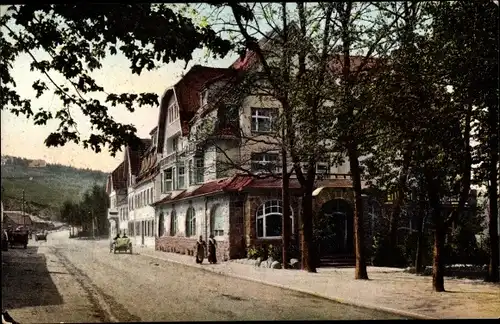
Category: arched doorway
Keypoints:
(161, 225)
(334, 228)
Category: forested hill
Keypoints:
(46, 186)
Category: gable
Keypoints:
(187, 95)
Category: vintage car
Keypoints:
(19, 237)
(41, 236)
(121, 244)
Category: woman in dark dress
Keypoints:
(212, 249)
(200, 250)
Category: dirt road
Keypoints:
(65, 280)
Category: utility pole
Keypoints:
(93, 228)
(24, 217)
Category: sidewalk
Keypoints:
(388, 289)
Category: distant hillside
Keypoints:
(46, 186)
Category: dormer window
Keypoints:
(203, 97)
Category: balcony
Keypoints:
(169, 159)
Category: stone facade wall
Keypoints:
(254, 201)
(237, 246)
(240, 231)
(203, 207)
(186, 245)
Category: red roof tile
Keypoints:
(242, 182)
(187, 91)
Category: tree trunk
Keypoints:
(419, 267)
(493, 275)
(439, 236)
(286, 211)
(359, 237)
(306, 235)
(398, 204)
(438, 266)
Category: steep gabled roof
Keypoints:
(153, 130)
(187, 92)
(135, 155)
(17, 217)
(148, 168)
(119, 177)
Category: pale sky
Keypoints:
(20, 137)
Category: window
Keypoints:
(172, 113)
(203, 98)
(190, 171)
(173, 223)
(175, 144)
(261, 119)
(190, 222)
(264, 162)
(322, 168)
(168, 180)
(199, 171)
(161, 225)
(217, 221)
(151, 193)
(181, 171)
(227, 119)
(269, 217)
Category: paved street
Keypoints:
(67, 280)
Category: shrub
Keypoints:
(387, 256)
(462, 248)
(276, 253)
(294, 251)
(256, 252)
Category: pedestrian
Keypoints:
(212, 250)
(200, 250)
